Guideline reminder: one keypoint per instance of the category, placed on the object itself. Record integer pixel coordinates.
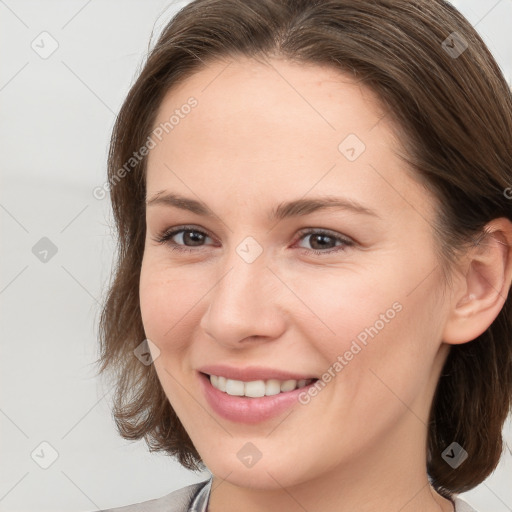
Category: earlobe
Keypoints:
(484, 285)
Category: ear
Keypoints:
(483, 286)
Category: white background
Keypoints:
(56, 117)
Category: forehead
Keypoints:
(278, 97)
(274, 128)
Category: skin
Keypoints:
(262, 134)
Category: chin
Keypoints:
(272, 474)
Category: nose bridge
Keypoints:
(242, 303)
(245, 281)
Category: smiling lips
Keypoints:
(252, 394)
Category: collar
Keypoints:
(200, 501)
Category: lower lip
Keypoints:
(246, 409)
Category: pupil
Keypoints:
(323, 238)
(196, 237)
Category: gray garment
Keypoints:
(194, 498)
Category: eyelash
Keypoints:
(165, 238)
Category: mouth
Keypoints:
(251, 402)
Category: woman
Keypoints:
(311, 294)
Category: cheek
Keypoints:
(370, 326)
(346, 308)
(394, 364)
(167, 301)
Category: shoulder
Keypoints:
(177, 501)
(462, 506)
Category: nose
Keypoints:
(245, 304)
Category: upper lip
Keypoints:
(251, 373)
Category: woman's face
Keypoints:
(264, 279)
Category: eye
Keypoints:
(326, 240)
(186, 238)
(184, 235)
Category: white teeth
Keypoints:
(235, 387)
(221, 383)
(272, 387)
(256, 388)
(288, 385)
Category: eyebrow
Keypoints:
(296, 208)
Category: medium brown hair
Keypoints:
(455, 116)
